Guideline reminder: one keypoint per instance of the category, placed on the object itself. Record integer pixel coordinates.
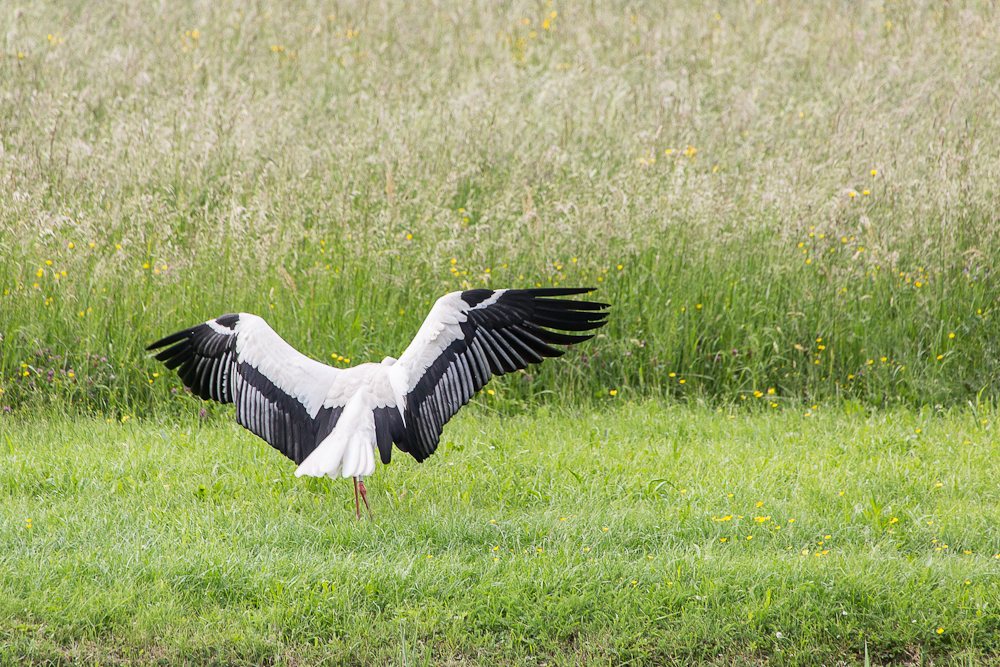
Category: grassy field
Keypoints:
(649, 534)
(773, 195)
(792, 208)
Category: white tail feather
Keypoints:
(349, 450)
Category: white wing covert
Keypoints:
(466, 339)
(279, 393)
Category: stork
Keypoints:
(330, 421)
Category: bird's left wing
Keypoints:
(280, 394)
(470, 336)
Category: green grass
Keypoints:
(821, 172)
(576, 537)
(787, 204)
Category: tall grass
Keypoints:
(769, 177)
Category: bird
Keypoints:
(331, 421)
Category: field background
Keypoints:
(739, 180)
(792, 209)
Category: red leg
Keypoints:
(364, 497)
(357, 505)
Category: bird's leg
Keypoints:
(357, 505)
(364, 497)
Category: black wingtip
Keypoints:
(171, 339)
(539, 296)
(559, 291)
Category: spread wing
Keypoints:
(279, 392)
(466, 339)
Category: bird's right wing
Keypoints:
(467, 338)
(280, 394)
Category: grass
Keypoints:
(738, 183)
(568, 537)
(791, 207)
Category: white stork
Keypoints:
(330, 420)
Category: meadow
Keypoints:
(792, 208)
(649, 534)
(773, 195)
